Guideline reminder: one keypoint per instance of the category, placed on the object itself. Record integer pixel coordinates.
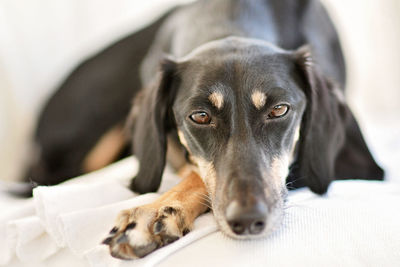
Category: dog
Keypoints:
(245, 99)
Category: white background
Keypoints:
(42, 40)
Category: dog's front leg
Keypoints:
(141, 230)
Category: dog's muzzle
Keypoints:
(245, 199)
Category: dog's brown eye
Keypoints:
(200, 117)
(278, 111)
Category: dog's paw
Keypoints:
(142, 230)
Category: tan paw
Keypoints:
(142, 230)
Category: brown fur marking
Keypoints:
(106, 149)
(259, 99)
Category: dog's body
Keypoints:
(239, 93)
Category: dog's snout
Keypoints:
(246, 219)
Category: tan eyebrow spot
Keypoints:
(217, 99)
(258, 99)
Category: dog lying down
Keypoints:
(243, 98)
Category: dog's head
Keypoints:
(249, 114)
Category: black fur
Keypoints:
(95, 97)
(330, 147)
(152, 124)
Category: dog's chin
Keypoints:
(274, 222)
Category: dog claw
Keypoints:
(158, 227)
(169, 210)
(123, 239)
(113, 230)
(107, 241)
(185, 231)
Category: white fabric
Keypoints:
(356, 224)
(10, 211)
(50, 202)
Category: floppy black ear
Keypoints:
(152, 121)
(355, 160)
(331, 145)
(322, 130)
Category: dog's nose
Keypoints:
(249, 219)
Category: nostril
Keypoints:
(257, 227)
(246, 219)
(237, 228)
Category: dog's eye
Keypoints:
(278, 111)
(200, 117)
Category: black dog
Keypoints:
(250, 95)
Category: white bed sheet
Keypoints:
(355, 224)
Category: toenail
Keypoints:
(107, 241)
(158, 227)
(130, 226)
(114, 230)
(169, 210)
(122, 239)
(185, 231)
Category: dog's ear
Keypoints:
(354, 160)
(331, 145)
(322, 131)
(152, 120)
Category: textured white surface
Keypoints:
(355, 224)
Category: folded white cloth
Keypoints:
(11, 209)
(355, 224)
(32, 243)
(84, 229)
(51, 202)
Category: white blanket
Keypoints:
(356, 224)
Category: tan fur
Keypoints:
(106, 150)
(189, 194)
(188, 199)
(182, 139)
(207, 173)
(296, 138)
(259, 99)
(175, 154)
(279, 170)
(217, 99)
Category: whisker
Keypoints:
(288, 184)
(205, 204)
(203, 196)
